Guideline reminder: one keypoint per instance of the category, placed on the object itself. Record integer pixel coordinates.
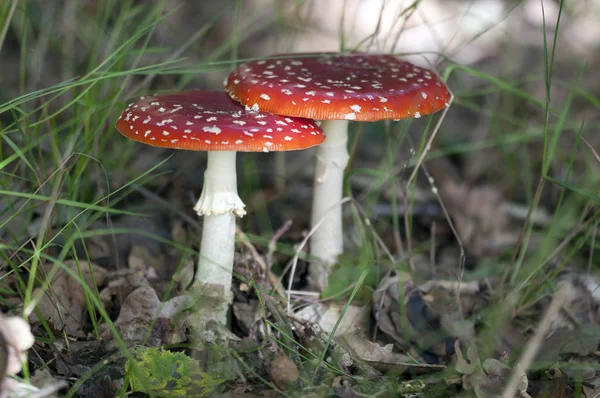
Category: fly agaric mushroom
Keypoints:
(211, 121)
(336, 88)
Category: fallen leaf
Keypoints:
(562, 343)
(284, 372)
(143, 316)
(327, 315)
(145, 263)
(487, 379)
(64, 304)
(373, 353)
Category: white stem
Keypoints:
(215, 265)
(219, 193)
(332, 158)
(219, 203)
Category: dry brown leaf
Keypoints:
(145, 263)
(284, 372)
(327, 315)
(432, 316)
(373, 353)
(120, 285)
(64, 304)
(487, 379)
(143, 316)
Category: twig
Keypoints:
(591, 148)
(273, 242)
(536, 341)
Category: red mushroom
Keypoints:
(336, 88)
(211, 121)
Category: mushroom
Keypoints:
(336, 88)
(211, 121)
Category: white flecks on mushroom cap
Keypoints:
(327, 86)
(196, 118)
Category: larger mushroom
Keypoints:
(336, 88)
(211, 121)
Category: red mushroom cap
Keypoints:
(364, 87)
(211, 121)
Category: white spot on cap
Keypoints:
(239, 142)
(213, 129)
(355, 108)
(350, 116)
(424, 95)
(265, 97)
(417, 115)
(287, 138)
(165, 133)
(382, 99)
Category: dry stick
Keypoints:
(591, 148)
(276, 236)
(534, 344)
(299, 249)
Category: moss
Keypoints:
(164, 373)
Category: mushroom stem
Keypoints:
(326, 243)
(219, 204)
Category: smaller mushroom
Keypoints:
(211, 121)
